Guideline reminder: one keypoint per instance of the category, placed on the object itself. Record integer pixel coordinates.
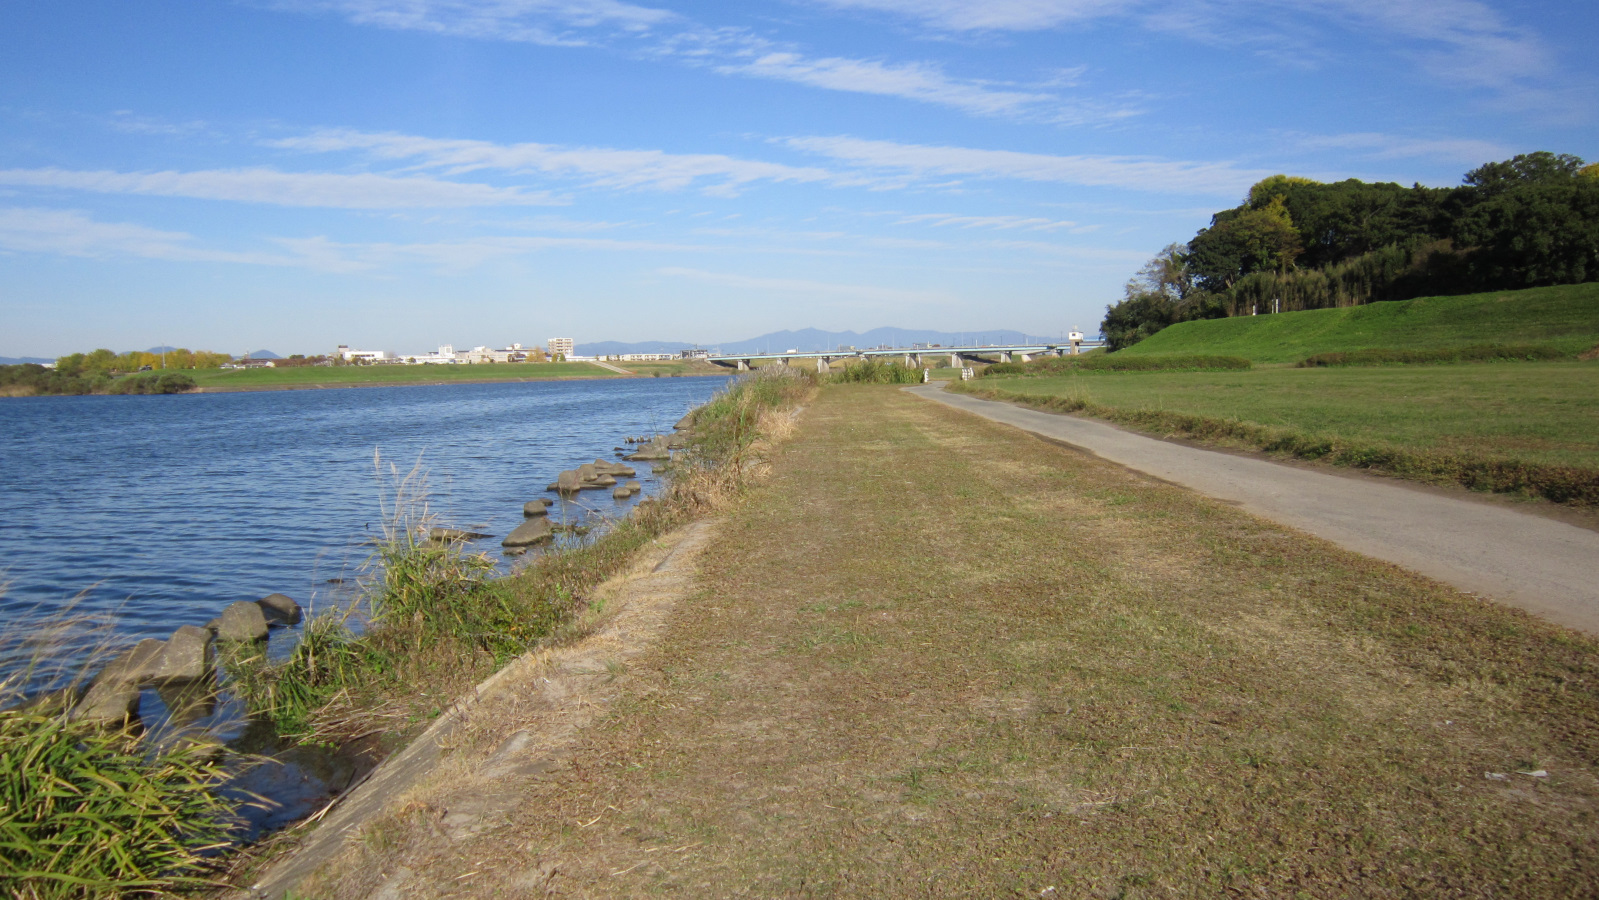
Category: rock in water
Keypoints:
(242, 621)
(108, 705)
(536, 508)
(601, 481)
(456, 535)
(684, 423)
(133, 666)
(186, 656)
(634, 486)
(569, 482)
(281, 609)
(536, 530)
(621, 493)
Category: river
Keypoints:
(153, 512)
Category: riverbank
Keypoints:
(929, 654)
(318, 377)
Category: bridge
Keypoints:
(919, 356)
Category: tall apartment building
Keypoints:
(561, 346)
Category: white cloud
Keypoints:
(991, 15)
(314, 189)
(1469, 151)
(71, 233)
(553, 22)
(1130, 172)
(911, 81)
(1004, 223)
(804, 287)
(597, 166)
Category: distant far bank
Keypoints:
(315, 377)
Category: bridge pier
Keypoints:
(954, 360)
(743, 365)
(1004, 356)
(1026, 357)
(908, 361)
(822, 365)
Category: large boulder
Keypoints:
(600, 481)
(569, 482)
(684, 423)
(133, 666)
(586, 472)
(634, 486)
(536, 508)
(242, 621)
(655, 449)
(108, 705)
(280, 609)
(536, 530)
(676, 442)
(621, 493)
(186, 656)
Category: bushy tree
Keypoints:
(1163, 293)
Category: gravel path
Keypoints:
(1543, 566)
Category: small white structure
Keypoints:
(350, 354)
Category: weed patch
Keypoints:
(1115, 362)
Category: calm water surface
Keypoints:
(159, 511)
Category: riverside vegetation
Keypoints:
(435, 623)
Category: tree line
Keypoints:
(104, 372)
(1295, 243)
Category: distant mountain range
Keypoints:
(19, 360)
(810, 340)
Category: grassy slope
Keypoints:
(934, 656)
(1566, 316)
(218, 379)
(1545, 412)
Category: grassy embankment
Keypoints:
(353, 376)
(935, 656)
(1565, 318)
(1528, 426)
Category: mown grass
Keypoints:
(1117, 362)
(1482, 353)
(934, 656)
(1531, 427)
(1564, 318)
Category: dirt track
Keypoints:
(934, 656)
(1543, 566)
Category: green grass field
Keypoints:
(351, 376)
(1566, 317)
(1539, 412)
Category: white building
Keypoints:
(561, 347)
(349, 354)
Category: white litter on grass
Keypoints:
(1495, 776)
(1540, 773)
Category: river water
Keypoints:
(159, 511)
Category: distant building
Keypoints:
(349, 354)
(696, 353)
(561, 347)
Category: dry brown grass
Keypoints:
(932, 656)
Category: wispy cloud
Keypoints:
(1130, 172)
(1469, 151)
(550, 22)
(269, 186)
(650, 33)
(1461, 42)
(1004, 223)
(71, 233)
(595, 166)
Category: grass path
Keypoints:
(934, 656)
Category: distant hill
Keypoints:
(811, 340)
(1565, 317)
(262, 354)
(19, 360)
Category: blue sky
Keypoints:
(395, 174)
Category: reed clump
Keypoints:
(92, 812)
(877, 371)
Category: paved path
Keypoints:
(1545, 567)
